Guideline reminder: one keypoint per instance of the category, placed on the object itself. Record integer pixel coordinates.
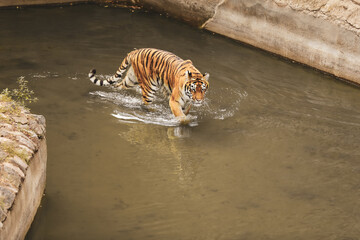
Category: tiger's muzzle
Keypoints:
(198, 102)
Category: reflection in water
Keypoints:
(170, 143)
(130, 110)
(179, 132)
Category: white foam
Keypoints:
(148, 119)
(131, 108)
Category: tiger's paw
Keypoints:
(184, 120)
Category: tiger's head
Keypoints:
(195, 86)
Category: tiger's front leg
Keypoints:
(187, 109)
(176, 109)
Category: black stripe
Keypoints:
(147, 54)
(157, 60)
(144, 65)
(159, 64)
(145, 88)
(162, 73)
(151, 59)
(151, 82)
(152, 90)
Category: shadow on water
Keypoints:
(272, 154)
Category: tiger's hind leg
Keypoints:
(129, 80)
(148, 89)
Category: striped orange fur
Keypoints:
(154, 70)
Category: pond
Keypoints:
(272, 154)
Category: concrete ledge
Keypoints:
(22, 167)
(28, 199)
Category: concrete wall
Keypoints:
(23, 159)
(27, 201)
(304, 35)
(195, 12)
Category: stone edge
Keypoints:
(22, 151)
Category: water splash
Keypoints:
(146, 118)
(44, 75)
(120, 99)
(130, 108)
(224, 105)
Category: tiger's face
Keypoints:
(196, 86)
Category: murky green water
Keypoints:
(273, 154)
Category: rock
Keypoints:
(7, 194)
(19, 137)
(15, 160)
(10, 177)
(20, 119)
(37, 127)
(2, 215)
(3, 155)
(13, 170)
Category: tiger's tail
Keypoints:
(116, 77)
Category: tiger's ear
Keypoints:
(188, 75)
(206, 76)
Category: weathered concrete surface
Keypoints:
(323, 34)
(22, 168)
(195, 12)
(345, 13)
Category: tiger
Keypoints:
(153, 70)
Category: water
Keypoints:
(272, 154)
